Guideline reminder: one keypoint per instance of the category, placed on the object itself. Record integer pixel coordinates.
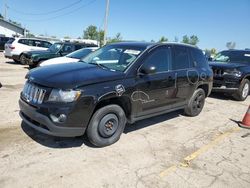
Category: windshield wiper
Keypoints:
(99, 65)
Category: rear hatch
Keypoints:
(8, 47)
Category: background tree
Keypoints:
(213, 51)
(193, 40)
(1, 16)
(185, 39)
(163, 39)
(90, 33)
(230, 45)
(66, 37)
(101, 38)
(117, 38)
(152, 40)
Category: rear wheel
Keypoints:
(106, 125)
(243, 91)
(16, 61)
(196, 103)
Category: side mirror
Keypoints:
(150, 69)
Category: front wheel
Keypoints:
(196, 103)
(243, 91)
(22, 59)
(106, 125)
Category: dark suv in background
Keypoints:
(119, 83)
(34, 58)
(232, 73)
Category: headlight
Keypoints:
(34, 58)
(58, 95)
(233, 72)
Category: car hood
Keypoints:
(222, 65)
(40, 52)
(71, 75)
(58, 60)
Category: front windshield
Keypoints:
(80, 53)
(55, 47)
(114, 57)
(233, 56)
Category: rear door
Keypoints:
(186, 74)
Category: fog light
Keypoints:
(60, 119)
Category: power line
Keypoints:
(61, 15)
(45, 13)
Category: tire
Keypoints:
(243, 91)
(106, 125)
(16, 61)
(32, 66)
(22, 59)
(196, 103)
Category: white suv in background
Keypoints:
(15, 48)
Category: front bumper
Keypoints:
(230, 85)
(43, 124)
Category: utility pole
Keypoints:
(5, 10)
(106, 22)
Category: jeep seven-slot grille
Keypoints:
(218, 72)
(33, 93)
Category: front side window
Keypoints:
(180, 58)
(159, 58)
(114, 57)
(67, 48)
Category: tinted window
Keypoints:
(180, 58)
(44, 44)
(159, 58)
(199, 58)
(67, 48)
(233, 56)
(10, 41)
(23, 41)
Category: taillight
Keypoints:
(12, 47)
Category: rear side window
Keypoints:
(67, 48)
(43, 44)
(10, 41)
(23, 41)
(180, 58)
(158, 58)
(198, 58)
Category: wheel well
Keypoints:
(247, 77)
(205, 88)
(123, 102)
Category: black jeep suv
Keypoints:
(232, 73)
(119, 83)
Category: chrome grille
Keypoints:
(218, 72)
(33, 93)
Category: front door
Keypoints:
(155, 92)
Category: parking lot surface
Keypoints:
(171, 150)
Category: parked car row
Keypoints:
(33, 51)
(98, 91)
